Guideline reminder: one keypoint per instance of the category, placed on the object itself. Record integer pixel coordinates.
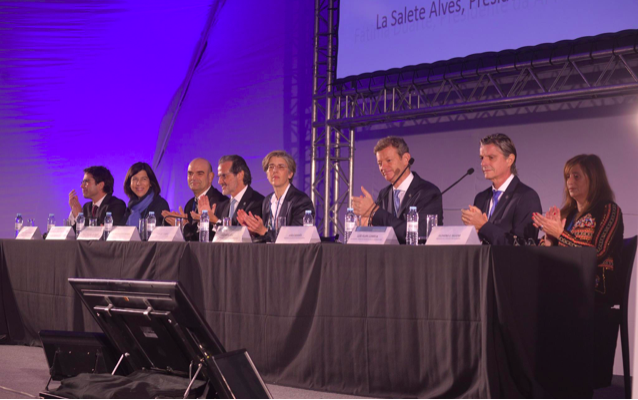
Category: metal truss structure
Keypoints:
(328, 148)
(598, 67)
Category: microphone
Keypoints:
(376, 203)
(403, 172)
(399, 177)
(469, 172)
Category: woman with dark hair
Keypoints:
(143, 190)
(591, 218)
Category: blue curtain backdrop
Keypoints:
(99, 82)
(250, 93)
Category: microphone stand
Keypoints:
(376, 203)
(469, 172)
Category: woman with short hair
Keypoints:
(286, 200)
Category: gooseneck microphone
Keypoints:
(468, 173)
(399, 177)
(376, 203)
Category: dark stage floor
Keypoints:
(24, 373)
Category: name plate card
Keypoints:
(61, 233)
(91, 233)
(29, 233)
(166, 234)
(124, 234)
(232, 234)
(373, 235)
(453, 235)
(298, 235)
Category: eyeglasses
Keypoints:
(280, 167)
(85, 182)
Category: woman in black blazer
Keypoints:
(143, 191)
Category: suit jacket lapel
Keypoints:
(505, 198)
(389, 200)
(244, 200)
(286, 205)
(265, 210)
(101, 211)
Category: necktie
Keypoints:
(397, 202)
(195, 205)
(94, 211)
(232, 207)
(495, 196)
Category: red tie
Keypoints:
(94, 211)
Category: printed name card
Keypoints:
(298, 235)
(61, 233)
(166, 234)
(232, 234)
(373, 235)
(452, 235)
(91, 233)
(124, 234)
(29, 233)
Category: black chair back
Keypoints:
(628, 253)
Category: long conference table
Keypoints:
(387, 321)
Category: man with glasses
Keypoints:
(97, 186)
(286, 201)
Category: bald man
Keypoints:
(200, 181)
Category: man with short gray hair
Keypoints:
(502, 214)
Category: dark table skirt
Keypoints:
(389, 321)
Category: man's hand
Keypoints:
(254, 223)
(363, 204)
(169, 216)
(204, 204)
(474, 217)
(76, 207)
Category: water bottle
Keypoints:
(79, 224)
(151, 221)
(50, 222)
(204, 225)
(307, 219)
(108, 224)
(349, 225)
(412, 229)
(19, 223)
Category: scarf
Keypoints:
(137, 207)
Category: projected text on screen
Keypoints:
(383, 34)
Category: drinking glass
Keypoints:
(281, 221)
(431, 221)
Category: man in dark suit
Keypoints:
(97, 186)
(286, 201)
(502, 214)
(235, 178)
(394, 201)
(200, 181)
